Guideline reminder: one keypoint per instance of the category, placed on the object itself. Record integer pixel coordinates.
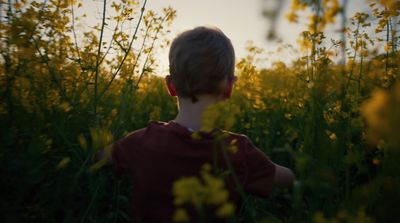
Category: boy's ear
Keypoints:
(228, 88)
(170, 86)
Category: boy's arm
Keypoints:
(284, 177)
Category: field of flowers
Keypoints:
(332, 115)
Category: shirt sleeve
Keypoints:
(119, 155)
(260, 171)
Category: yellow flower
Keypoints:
(188, 190)
(49, 142)
(210, 117)
(114, 112)
(304, 41)
(298, 5)
(107, 152)
(232, 148)
(155, 114)
(208, 190)
(328, 118)
(206, 168)
(65, 107)
(196, 136)
(288, 116)
(319, 218)
(332, 8)
(373, 109)
(82, 141)
(17, 5)
(388, 3)
(101, 137)
(292, 17)
(63, 163)
(259, 103)
(219, 115)
(332, 136)
(376, 161)
(388, 47)
(226, 210)
(181, 215)
(214, 190)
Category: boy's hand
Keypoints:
(284, 177)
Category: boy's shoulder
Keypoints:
(158, 131)
(138, 133)
(151, 125)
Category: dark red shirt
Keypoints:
(162, 153)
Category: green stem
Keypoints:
(96, 76)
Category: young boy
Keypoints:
(202, 63)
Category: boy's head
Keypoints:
(202, 62)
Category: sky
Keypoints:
(240, 20)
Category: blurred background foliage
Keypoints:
(332, 115)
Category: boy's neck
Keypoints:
(190, 114)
